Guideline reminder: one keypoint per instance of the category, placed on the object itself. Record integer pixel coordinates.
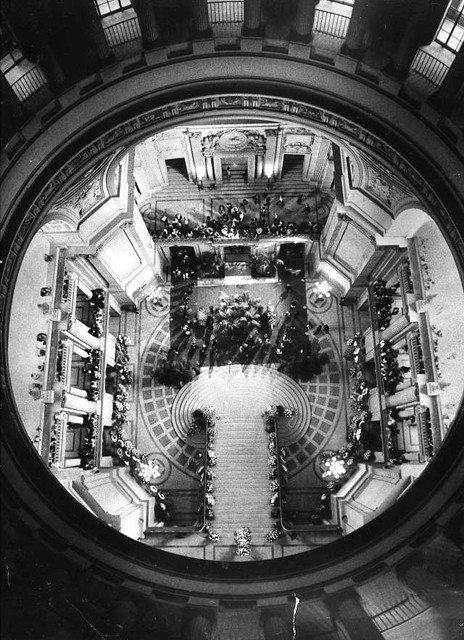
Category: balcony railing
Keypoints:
(331, 24)
(121, 33)
(28, 84)
(225, 12)
(429, 67)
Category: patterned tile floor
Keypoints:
(325, 393)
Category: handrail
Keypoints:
(305, 528)
(205, 480)
(29, 83)
(429, 67)
(60, 422)
(241, 240)
(332, 24)
(122, 32)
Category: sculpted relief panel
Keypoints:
(298, 143)
(233, 140)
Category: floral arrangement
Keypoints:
(359, 396)
(271, 315)
(277, 471)
(202, 316)
(121, 350)
(87, 451)
(121, 358)
(144, 470)
(206, 477)
(357, 426)
(242, 538)
(92, 366)
(355, 349)
(389, 369)
(337, 464)
(274, 533)
(97, 304)
(383, 300)
(202, 419)
(394, 456)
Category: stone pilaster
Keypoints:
(252, 18)
(201, 25)
(148, 22)
(102, 51)
(357, 29)
(453, 83)
(49, 64)
(304, 20)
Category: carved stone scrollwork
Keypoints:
(297, 147)
(86, 197)
(382, 189)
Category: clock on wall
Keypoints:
(233, 140)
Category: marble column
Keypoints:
(201, 25)
(304, 20)
(49, 64)
(453, 83)
(73, 402)
(259, 166)
(148, 22)
(409, 43)
(251, 18)
(209, 168)
(198, 626)
(103, 53)
(346, 607)
(275, 627)
(357, 29)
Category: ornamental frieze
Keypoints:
(233, 140)
(381, 189)
(86, 198)
(330, 121)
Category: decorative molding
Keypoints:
(232, 140)
(136, 125)
(86, 197)
(382, 189)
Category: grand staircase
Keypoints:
(234, 189)
(242, 484)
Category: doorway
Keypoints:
(293, 165)
(177, 166)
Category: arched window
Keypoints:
(451, 31)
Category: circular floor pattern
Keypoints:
(163, 464)
(243, 392)
(314, 303)
(157, 304)
(324, 394)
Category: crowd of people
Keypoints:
(240, 330)
(235, 222)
